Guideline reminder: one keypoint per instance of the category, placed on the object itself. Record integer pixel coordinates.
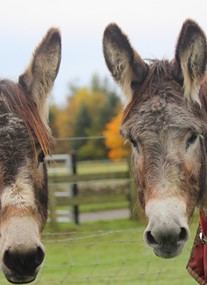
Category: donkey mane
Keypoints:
(16, 100)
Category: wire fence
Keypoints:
(107, 258)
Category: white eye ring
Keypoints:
(191, 140)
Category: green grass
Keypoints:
(92, 167)
(88, 208)
(108, 253)
(114, 253)
(104, 207)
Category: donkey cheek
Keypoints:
(191, 168)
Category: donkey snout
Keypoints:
(23, 263)
(22, 267)
(166, 242)
(167, 230)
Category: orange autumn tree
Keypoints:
(117, 149)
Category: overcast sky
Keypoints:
(152, 26)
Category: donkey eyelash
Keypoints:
(126, 142)
(133, 142)
(130, 141)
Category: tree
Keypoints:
(53, 116)
(115, 143)
(86, 113)
(81, 125)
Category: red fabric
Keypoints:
(197, 264)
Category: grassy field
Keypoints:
(107, 253)
(92, 167)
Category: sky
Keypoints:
(151, 25)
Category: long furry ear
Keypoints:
(125, 65)
(39, 77)
(191, 58)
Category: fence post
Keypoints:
(52, 207)
(132, 191)
(75, 187)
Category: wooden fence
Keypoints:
(77, 199)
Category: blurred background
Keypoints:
(95, 227)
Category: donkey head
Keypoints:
(165, 121)
(25, 140)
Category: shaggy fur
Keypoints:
(25, 140)
(165, 120)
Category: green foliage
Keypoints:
(53, 115)
(82, 123)
(92, 150)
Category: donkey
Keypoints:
(166, 122)
(25, 140)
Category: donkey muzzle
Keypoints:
(167, 230)
(22, 252)
(22, 267)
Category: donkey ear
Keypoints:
(191, 58)
(125, 65)
(40, 75)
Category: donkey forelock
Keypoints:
(160, 98)
(14, 99)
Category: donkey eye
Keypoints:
(134, 143)
(191, 140)
(41, 156)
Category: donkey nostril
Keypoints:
(183, 235)
(39, 257)
(150, 239)
(8, 260)
(23, 263)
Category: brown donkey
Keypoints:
(25, 140)
(165, 120)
